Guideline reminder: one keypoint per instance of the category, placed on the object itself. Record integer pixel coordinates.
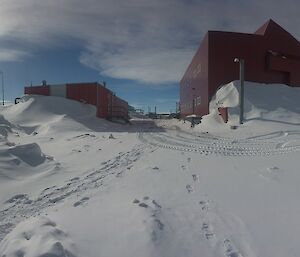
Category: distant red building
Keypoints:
(271, 54)
(107, 103)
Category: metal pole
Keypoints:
(2, 87)
(242, 73)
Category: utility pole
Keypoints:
(242, 79)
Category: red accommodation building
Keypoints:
(107, 103)
(271, 54)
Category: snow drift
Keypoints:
(274, 103)
(37, 237)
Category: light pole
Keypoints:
(2, 87)
(242, 74)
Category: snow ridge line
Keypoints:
(217, 147)
(22, 207)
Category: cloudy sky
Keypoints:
(141, 48)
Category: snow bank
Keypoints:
(29, 153)
(48, 113)
(275, 103)
(37, 237)
(44, 115)
(20, 160)
(5, 127)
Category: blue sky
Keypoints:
(140, 48)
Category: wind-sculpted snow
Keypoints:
(21, 206)
(276, 143)
(29, 153)
(37, 237)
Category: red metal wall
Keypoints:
(195, 82)
(108, 104)
(103, 102)
(83, 92)
(119, 107)
(39, 90)
(271, 55)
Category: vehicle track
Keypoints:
(264, 145)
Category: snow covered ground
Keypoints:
(74, 185)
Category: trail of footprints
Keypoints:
(20, 206)
(154, 209)
(207, 230)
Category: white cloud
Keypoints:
(10, 55)
(150, 66)
(148, 41)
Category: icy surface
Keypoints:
(75, 185)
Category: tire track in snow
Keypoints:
(21, 206)
(207, 145)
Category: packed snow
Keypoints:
(73, 185)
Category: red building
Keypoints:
(107, 103)
(271, 54)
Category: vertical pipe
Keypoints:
(242, 73)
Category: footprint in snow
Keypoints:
(81, 201)
(195, 177)
(156, 204)
(230, 249)
(154, 212)
(189, 188)
(144, 205)
(204, 205)
(74, 179)
(208, 233)
(160, 225)
(20, 198)
(271, 173)
(119, 174)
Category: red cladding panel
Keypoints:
(39, 90)
(103, 102)
(194, 84)
(119, 107)
(83, 92)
